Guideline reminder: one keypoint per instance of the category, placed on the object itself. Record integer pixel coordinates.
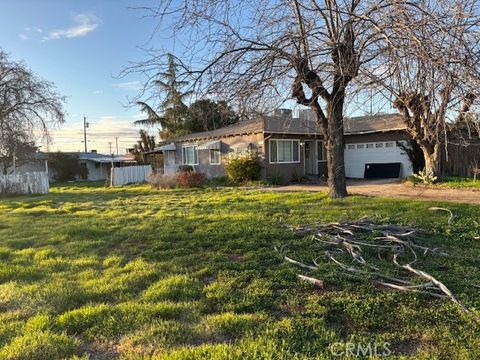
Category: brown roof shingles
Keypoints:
(287, 125)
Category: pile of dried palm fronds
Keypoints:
(346, 243)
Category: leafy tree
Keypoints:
(172, 112)
(145, 144)
(206, 115)
(66, 167)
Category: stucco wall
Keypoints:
(290, 171)
(229, 144)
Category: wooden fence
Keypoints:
(130, 175)
(460, 160)
(28, 183)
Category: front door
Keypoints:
(310, 158)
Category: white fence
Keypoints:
(28, 183)
(130, 175)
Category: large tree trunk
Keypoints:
(431, 153)
(335, 149)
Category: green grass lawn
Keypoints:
(134, 273)
(459, 182)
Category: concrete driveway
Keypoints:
(396, 189)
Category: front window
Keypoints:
(190, 155)
(284, 151)
(322, 151)
(215, 157)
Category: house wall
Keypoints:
(96, 173)
(229, 143)
(291, 171)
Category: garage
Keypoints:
(380, 160)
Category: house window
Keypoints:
(97, 165)
(284, 151)
(360, 146)
(215, 158)
(321, 151)
(389, 144)
(351, 146)
(170, 157)
(190, 155)
(379, 145)
(369, 146)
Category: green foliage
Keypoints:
(206, 115)
(66, 167)
(243, 168)
(145, 144)
(425, 178)
(187, 274)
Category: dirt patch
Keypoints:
(395, 189)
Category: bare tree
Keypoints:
(27, 104)
(428, 66)
(265, 52)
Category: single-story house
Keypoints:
(99, 165)
(292, 147)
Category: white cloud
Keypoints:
(23, 36)
(85, 23)
(98, 92)
(129, 85)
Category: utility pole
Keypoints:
(85, 126)
(116, 143)
(110, 144)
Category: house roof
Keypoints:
(372, 124)
(304, 125)
(241, 128)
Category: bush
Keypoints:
(185, 179)
(425, 178)
(66, 167)
(243, 168)
(190, 179)
(159, 181)
(185, 168)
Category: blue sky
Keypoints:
(81, 46)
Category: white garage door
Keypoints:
(359, 154)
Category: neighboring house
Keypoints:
(99, 165)
(293, 147)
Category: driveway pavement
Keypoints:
(396, 189)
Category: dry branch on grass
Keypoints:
(352, 239)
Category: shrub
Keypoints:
(243, 168)
(159, 181)
(66, 167)
(185, 168)
(425, 178)
(190, 179)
